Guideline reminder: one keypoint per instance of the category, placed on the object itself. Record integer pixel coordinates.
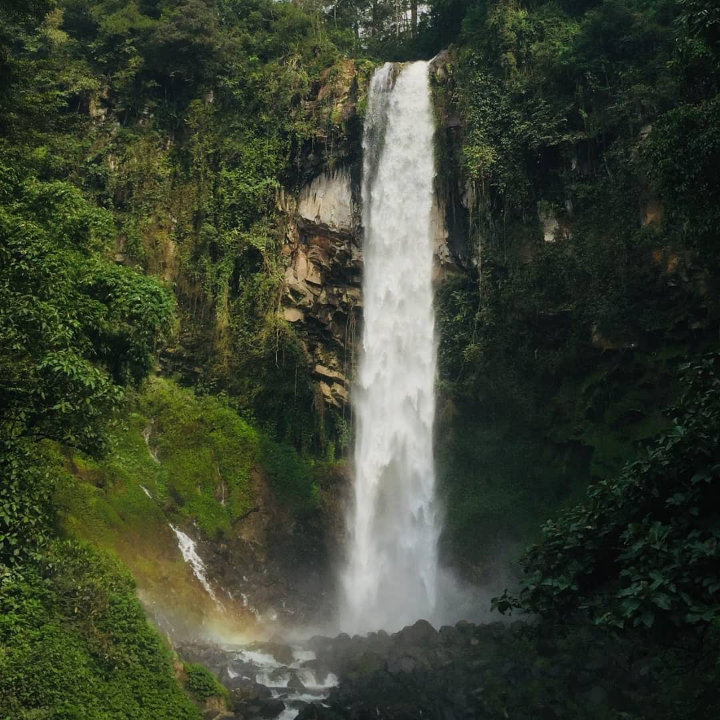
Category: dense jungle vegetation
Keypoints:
(142, 147)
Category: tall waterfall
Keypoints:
(391, 574)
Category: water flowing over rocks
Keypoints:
(322, 296)
(188, 548)
(460, 672)
(265, 679)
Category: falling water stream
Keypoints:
(190, 555)
(391, 573)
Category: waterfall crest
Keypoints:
(391, 573)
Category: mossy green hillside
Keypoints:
(202, 454)
(194, 455)
(76, 644)
(182, 459)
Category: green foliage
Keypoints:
(212, 97)
(181, 119)
(642, 550)
(201, 683)
(194, 454)
(205, 457)
(72, 324)
(587, 165)
(682, 153)
(207, 454)
(537, 79)
(73, 329)
(702, 17)
(290, 475)
(25, 507)
(76, 644)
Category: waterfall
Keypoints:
(391, 572)
(190, 555)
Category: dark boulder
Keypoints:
(315, 711)
(248, 691)
(421, 634)
(295, 683)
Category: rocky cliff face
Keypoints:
(322, 293)
(274, 566)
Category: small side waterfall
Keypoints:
(391, 574)
(190, 555)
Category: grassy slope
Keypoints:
(200, 481)
(75, 645)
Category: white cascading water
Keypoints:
(391, 573)
(190, 555)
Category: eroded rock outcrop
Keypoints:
(322, 296)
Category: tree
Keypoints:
(74, 328)
(642, 551)
(702, 18)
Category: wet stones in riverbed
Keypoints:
(266, 680)
(463, 672)
(257, 708)
(483, 672)
(408, 674)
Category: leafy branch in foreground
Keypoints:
(642, 551)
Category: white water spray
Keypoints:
(391, 575)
